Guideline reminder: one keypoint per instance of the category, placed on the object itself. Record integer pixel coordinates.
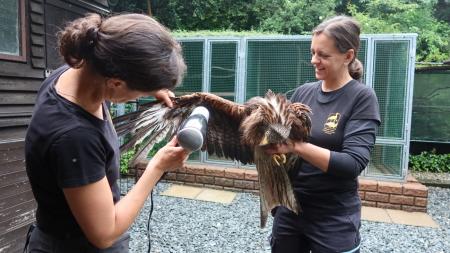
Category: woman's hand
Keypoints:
(281, 148)
(170, 157)
(164, 95)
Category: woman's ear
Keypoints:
(115, 83)
(349, 56)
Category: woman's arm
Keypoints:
(315, 155)
(93, 207)
(359, 139)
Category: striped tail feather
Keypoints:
(274, 185)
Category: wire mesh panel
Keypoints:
(282, 65)
(223, 72)
(193, 80)
(223, 75)
(193, 57)
(362, 57)
(390, 83)
(386, 160)
(277, 65)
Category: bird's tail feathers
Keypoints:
(274, 186)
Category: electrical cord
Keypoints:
(148, 222)
(150, 214)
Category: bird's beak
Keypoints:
(265, 139)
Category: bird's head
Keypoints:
(275, 133)
(268, 121)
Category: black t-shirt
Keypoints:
(345, 122)
(65, 147)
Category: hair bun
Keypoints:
(77, 40)
(356, 69)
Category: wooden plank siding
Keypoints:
(14, 241)
(20, 79)
(19, 83)
(17, 205)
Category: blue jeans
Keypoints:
(314, 232)
(45, 243)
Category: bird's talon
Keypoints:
(275, 158)
(283, 156)
(279, 159)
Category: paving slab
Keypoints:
(411, 218)
(225, 197)
(182, 191)
(198, 193)
(375, 214)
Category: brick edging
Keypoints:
(408, 196)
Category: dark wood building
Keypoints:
(27, 54)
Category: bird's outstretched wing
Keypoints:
(154, 122)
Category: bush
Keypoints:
(156, 148)
(124, 161)
(127, 156)
(430, 162)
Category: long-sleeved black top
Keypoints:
(345, 122)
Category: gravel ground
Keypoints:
(184, 225)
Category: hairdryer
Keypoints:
(192, 133)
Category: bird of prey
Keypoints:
(235, 131)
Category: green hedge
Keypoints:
(430, 162)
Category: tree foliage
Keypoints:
(442, 10)
(291, 17)
(394, 16)
(428, 18)
(134, 6)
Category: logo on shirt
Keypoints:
(331, 123)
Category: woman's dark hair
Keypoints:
(345, 32)
(132, 47)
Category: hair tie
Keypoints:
(93, 37)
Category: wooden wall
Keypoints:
(19, 80)
(19, 83)
(17, 204)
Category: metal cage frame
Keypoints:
(242, 45)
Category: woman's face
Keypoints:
(328, 62)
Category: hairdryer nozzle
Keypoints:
(192, 132)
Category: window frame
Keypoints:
(22, 57)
